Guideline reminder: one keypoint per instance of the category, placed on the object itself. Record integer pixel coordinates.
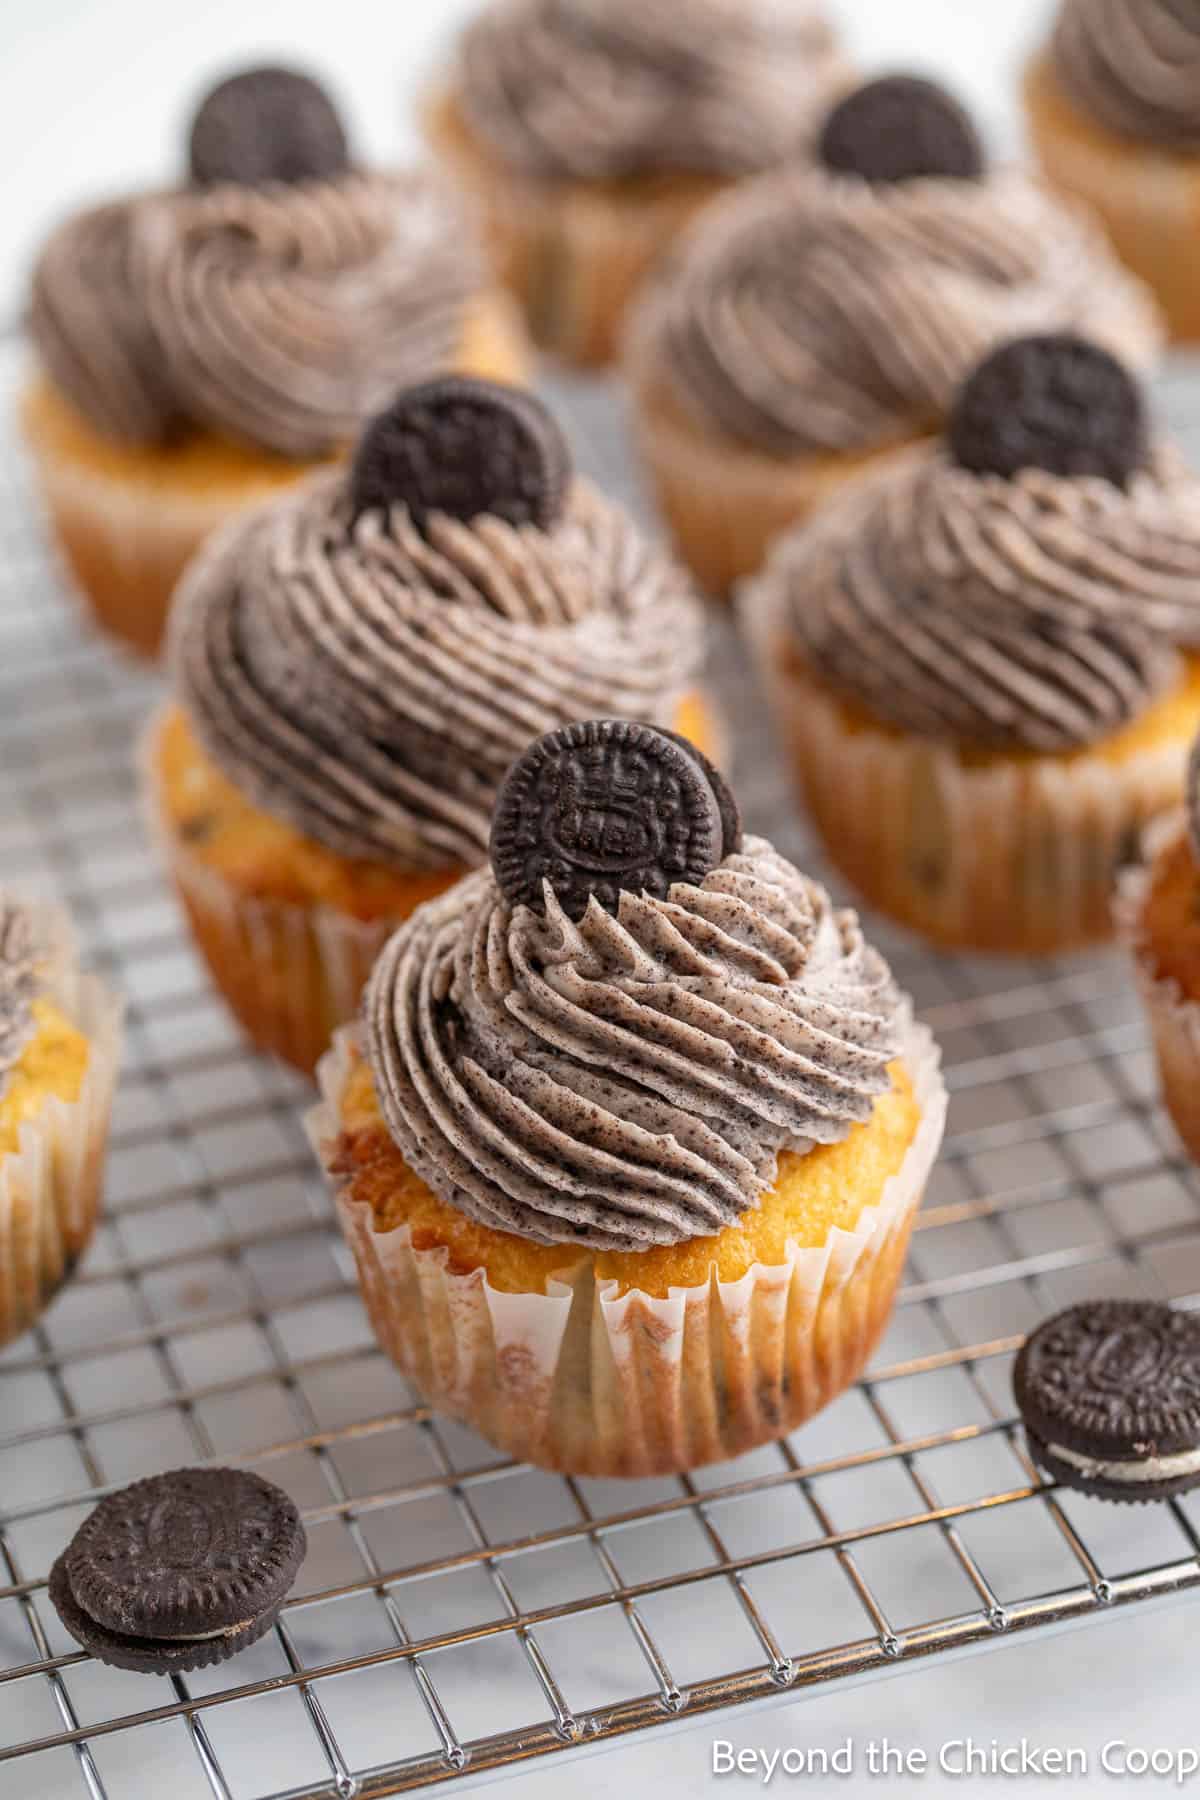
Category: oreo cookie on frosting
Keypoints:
(902, 128)
(179, 1571)
(609, 807)
(1056, 402)
(1109, 1392)
(264, 125)
(464, 447)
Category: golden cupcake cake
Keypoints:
(356, 665)
(983, 659)
(201, 347)
(630, 1137)
(587, 133)
(820, 319)
(1158, 912)
(60, 1039)
(1112, 110)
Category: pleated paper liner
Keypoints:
(51, 1184)
(1014, 856)
(1174, 1016)
(586, 1380)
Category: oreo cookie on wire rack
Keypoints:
(463, 446)
(608, 807)
(1109, 1392)
(1055, 402)
(901, 128)
(267, 124)
(180, 1570)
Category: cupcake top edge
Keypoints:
(276, 298)
(1132, 66)
(1025, 584)
(611, 89)
(612, 1048)
(368, 670)
(814, 312)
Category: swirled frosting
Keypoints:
(372, 685)
(1040, 612)
(811, 313)
(596, 89)
(18, 983)
(629, 1080)
(279, 316)
(1133, 66)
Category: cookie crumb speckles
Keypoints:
(264, 125)
(180, 1570)
(1110, 1395)
(901, 128)
(464, 447)
(601, 809)
(1056, 402)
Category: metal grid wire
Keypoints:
(458, 1614)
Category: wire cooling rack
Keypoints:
(459, 1615)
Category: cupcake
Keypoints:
(629, 1140)
(1112, 109)
(983, 659)
(820, 319)
(60, 1039)
(202, 347)
(1158, 911)
(588, 132)
(356, 665)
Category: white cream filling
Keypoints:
(1151, 1468)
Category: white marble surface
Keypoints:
(93, 91)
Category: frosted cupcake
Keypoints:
(355, 667)
(1112, 106)
(201, 347)
(1159, 915)
(587, 132)
(630, 1140)
(60, 1035)
(820, 319)
(983, 659)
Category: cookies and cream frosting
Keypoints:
(815, 313)
(595, 89)
(279, 316)
(1133, 66)
(631, 1079)
(1039, 612)
(18, 983)
(371, 684)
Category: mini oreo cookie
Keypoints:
(901, 128)
(464, 446)
(267, 124)
(604, 808)
(1055, 402)
(179, 1570)
(1109, 1392)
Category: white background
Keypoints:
(92, 97)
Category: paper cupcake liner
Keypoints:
(574, 253)
(50, 1185)
(589, 1381)
(1174, 1016)
(1148, 200)
(726, 504)
(291, 974)
(1013, 857)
